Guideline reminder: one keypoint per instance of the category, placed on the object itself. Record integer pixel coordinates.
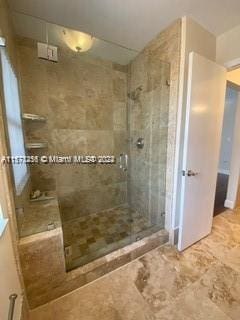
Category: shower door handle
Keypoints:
(124, 165)
(120, 161)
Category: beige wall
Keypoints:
(194, 38)
(228, 46)
(9, 275)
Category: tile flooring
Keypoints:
(90, 237)
(203, 282)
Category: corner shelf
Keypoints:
(33, 117)
(36, 145)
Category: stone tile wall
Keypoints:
(84, 101)
(152, 116)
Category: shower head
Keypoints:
(135, 94)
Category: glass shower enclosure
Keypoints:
(107, 107)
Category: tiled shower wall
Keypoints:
(152, 116)
(84, 101)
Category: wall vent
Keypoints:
(47, 52)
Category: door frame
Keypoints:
(232, 198)
(177, 186)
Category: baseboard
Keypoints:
(173, 236)
(176, 232)
(229, 204)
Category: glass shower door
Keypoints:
(87, 96)
(107, 101)
(148, 110)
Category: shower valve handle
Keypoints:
(125, 165)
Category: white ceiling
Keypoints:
(131, 23)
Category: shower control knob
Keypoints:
(140, 143)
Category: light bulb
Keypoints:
(78, 41)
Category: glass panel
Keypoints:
(98, 103)
(148, 107)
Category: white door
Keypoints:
(204, 117)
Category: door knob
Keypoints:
(191, 173)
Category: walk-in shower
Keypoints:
(97, 121)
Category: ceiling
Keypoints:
(131, 23)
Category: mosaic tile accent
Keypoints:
(89, 237)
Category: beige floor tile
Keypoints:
(232, 259)
(221, 284)
(202, 282)
(130, 302)
(227, 226)
(192, 305)
(193, 262)
(156, 279)
(217, 244)
(232, 216)
(109, 298)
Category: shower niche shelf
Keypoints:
(36, 145)
(33, 117)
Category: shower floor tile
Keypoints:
(90, 237)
